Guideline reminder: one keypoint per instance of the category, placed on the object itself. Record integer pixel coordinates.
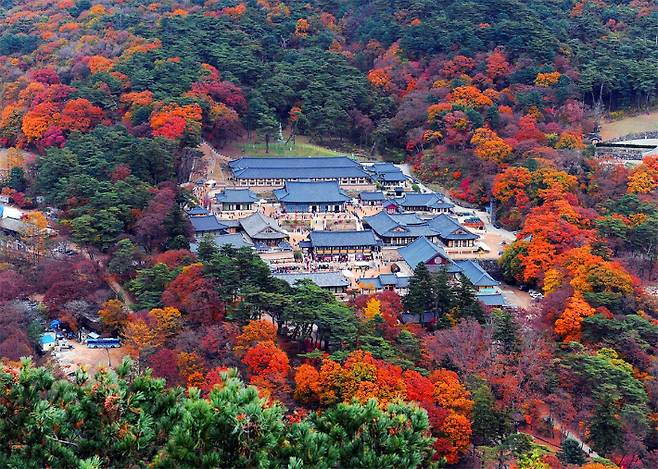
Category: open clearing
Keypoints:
(281, 149)
(629, 125)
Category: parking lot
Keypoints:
(91, 359)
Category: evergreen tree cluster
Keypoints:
(130, 419)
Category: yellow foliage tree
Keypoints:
(373, 308)
(113, 315)
(138, 336)
(489, 146)
(552, 281)
(641, 182)
(168, 320)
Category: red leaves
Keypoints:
(172, 121)
(268, 366)
(192, 293)
(80, 115)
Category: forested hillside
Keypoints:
(489, 100)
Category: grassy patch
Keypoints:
(281, 149)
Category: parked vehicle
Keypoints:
(104, 342)
(535, 294)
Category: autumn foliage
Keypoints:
(363, 377)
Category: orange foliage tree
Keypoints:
(113, 315)
(80, 115)
(469, 96)
(379, 78)
(547, 79)
(510, 186)
(255, 331)
(363, 377)
(37, 120)
(489, 146)
(307, 384)
(568, 325)
(190, 365)
(268, 366)
(98, 63)
(172, 120)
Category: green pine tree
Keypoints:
(571, 452)
(466, 304)
(420, 297)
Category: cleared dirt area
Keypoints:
(629, 125)
(93, 359)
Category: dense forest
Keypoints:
(102, 107)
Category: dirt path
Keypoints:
(119, 290)
(629, 125)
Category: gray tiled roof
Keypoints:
(322, 239)
(204, 223)
(230, 222)
(311, 192)
(321, 279)
(496, 299)
(399, 225)
(449, 228)
(259, 226)
(416, 199)
(383, 280)
(194, 211)
(236, 240)
(296, 168)
(236, 196)
(372, 196)
(13, 225)
(474, 272)
(422, 250)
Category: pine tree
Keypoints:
(409, 345)
(177, 227)
(442, 294)
(207, 248)
(605, 427)
(571, 453)
(506, 331)
(489, 425)
(466, 304)
(420, 297)
(123, 258)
